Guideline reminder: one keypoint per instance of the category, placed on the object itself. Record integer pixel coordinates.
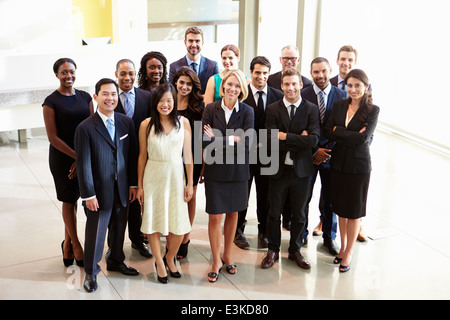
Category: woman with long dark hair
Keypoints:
(190, 105)
(351, 124)
(64, 110)
(164, 139)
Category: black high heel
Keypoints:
(176, 274)
(183, 250)
(67, 262)
(161, 279)
(337, 260)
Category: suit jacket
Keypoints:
(101, 162)
(274, 81)
(273, 95)
(218, 147)
(207, 69)
(306, 118)
(142, 108)
(334, 95)
(351, 153)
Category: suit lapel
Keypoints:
(235, 116)
(284, 114)
(219, 114)
(101, 129)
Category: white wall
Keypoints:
(403, 48)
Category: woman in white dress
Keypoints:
(165, 141)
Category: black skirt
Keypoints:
(225, 196)
(349, 194)
(66, 189)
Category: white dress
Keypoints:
(164, 207)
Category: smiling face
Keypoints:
(165, 105)
(356, 88)
(107, 99)
(194, 44)
(232, 88)
(184, 85)
(229, 60)
(260, 74)
(346, 62)
(320, 73)
(291, 87)
(66, 75)
(155, 70)
(289, 58)
(126, 74)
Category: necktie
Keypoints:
(291, 115)
(342, 85)
(110, 128)
(128, 107)
(260, 102)
(321, 106)
(194, 66)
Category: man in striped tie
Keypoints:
(323, 94)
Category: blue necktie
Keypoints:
(128, 107)
(194, 66)
(110, 128)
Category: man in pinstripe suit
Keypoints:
(106, 149)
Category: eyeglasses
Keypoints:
(285, 59)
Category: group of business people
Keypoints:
(132, 162)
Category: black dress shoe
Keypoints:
(123, 268)
(90, 283)
(332, 247)
(175, 274)
(241, 241)
(143, 249)
(161, 279)
(262, 241)
(300, 260)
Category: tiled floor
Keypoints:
(408, 258)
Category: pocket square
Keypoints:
(123, 137)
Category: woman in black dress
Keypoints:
(351, 124)
(228, 128)
(63, 110)
(153, 71)
(190, 105)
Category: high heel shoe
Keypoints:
(67, 262)
(337, 260)
(183, 250)
(161, 279)
(344, 268)
(172, 274)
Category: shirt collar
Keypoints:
(196, 61)
(288, 104)
(235, 107)
(131, 91)
(105, 118)
(326, 90)
(255, 91)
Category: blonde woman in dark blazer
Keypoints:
(351, 124)
(226, 184)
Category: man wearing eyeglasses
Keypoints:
(290, 58)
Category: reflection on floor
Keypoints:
(407, 257)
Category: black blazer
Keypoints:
(218, 147)
(306, 118)
(351, 153)
(142, 108)
(274, 81)
(273, 95)
(101, 162)
(207, 69)
(334, 95)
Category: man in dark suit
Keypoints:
(295, 122)
(260, 95)
(136, 104)
(290, 58)
(323, 95)
(106, 151)
(204, 67)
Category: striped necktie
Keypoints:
(321, 105)
(128, 107)
(110, 128)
